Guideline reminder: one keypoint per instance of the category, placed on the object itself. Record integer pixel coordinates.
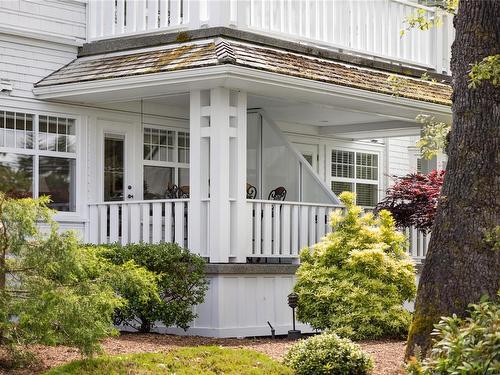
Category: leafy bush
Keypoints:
(356, 279)
(180, 279)
(328, 354)
(412, 200)
(206, 360)
(464, 346)
(53, 290)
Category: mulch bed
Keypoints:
(388, 354)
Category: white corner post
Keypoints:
(218, 210)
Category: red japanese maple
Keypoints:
(413, 199)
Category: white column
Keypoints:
(218, 210)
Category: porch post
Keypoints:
(218, 208)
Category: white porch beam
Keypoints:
(369, 127)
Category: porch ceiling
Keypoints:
(108, 72)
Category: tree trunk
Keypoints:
(461, 264)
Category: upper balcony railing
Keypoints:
(369, 28)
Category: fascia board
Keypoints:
(235, 77)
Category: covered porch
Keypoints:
(238, 159)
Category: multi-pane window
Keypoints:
(166, 162)
(357, 172)
(38, 157)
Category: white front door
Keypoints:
(117, 159)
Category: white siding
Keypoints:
(63, 18)
(399, 161)
(26, 61)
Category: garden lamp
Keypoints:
(293, 300)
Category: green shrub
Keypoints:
(53, 290)
(328, 354)
(180, 282)
(354, 281)
(464, 346)
(206, 360)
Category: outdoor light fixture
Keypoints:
(293, 300)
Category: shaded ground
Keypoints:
(388, 355)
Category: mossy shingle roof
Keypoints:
(218, 51)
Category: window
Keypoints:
(38, 157)
(166, 161)
(356, 172)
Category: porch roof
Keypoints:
(223, 50)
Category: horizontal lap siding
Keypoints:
(26, 61)
(399, 161)
(58, 18)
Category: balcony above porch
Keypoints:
(367, 28)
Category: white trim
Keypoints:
(232, 76)
(40, 35)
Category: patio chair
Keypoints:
(277, 194)
(183, 192)
(251, 191)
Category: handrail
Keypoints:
(139, 202)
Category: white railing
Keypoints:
(365, 27)
(418, 243)
(282, 229)
(150, 221)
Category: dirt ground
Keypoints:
(388, 355)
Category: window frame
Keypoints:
(36, 153)
(175, 164)
(355, 180)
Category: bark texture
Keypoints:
(462, 264)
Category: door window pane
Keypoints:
(113, 169)
(16, 175)
(57, 179)
(157, 181)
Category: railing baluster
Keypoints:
(267, 229)
(179, 223)
(168, 222)
(277, 230)
(157, 222)
(303, 229)
(312, 226)
(114, 223)
(257, 245)
(175, 13)
(103, 223)
(295, 247)
(94, 224)
(125, 224)
(285, 230)
(146, 207)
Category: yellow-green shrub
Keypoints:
(356, 279)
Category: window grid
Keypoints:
(56, 134)
(166, 149)
(16, 130)
(21, 137)
(357, 172)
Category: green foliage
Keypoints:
(464, 346)
(418, 20)
(356, 279)
(328, 354)
(180, 280)
(487, 69)
(433, 139)
(206, 360)
(53, 290)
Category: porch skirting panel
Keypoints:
(242, 304)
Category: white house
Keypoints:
(225, 126)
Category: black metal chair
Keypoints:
(251, 192)
(183, 192)
(172, 192)
(278, 194)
